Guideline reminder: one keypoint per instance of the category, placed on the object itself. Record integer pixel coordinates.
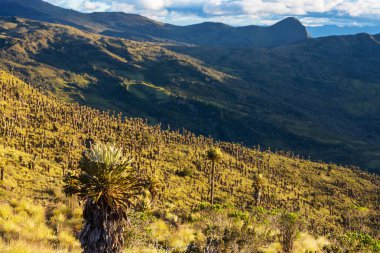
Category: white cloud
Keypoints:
(90, 6)
(361, 8)
(72, 4)
(122, 7)
(151, 4)
(236, 12)
(220, 7)
(289, 7)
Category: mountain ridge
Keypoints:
(132, 26)
(275, 97)
(331, 30)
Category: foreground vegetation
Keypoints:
(263, 201)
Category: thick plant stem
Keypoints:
(212, 183)
(103, 231)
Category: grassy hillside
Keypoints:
(324, 93)
(41, 140)
(318, 98)
(108, 73)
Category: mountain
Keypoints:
(318, 98)
(136, 27)
(41, 141)
(329, 84)
(140, 79)
(331, 30)
(287, 31)
(255, 92)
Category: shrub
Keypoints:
(6, 211)
(184, 172)
(288, 226)
(160, 230)
(67, 240)
(360, 242)
(181, 238)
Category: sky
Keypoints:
(313, 13)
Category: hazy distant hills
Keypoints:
(140, 28)
(330, 30)
(285, 32)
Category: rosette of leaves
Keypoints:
(109, 185)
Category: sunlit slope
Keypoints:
(42, 139)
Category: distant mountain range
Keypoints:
(136, 27)
(333, 30)
(278, 88)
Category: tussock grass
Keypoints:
(24, 228)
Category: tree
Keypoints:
(214, 155)
(109, 186)
(288, 226)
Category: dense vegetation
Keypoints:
(280, 97)
(263, 200)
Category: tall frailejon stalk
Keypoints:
(214, 155)
(109, 186)
(258, 186)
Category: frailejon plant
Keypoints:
(214, 155)
(258, 186)
(109, 186)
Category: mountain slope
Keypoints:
(38, 10)
(330, 84)
(140, 28)
(280, 98)
(140, 79)
(41, 140)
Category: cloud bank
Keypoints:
(239, 12)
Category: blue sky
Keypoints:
(240, 12)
